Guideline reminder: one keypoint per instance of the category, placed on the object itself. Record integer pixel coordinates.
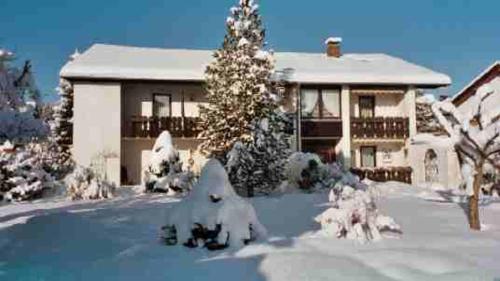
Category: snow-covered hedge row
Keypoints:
(23, 174)
(164, 173)
(212, 215)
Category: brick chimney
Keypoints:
(333, 47)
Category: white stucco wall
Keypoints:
(386, 105)
(97, 125)
(388, 154)
(447, 160)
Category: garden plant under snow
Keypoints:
(212, 215)
(353, 213)
(164, 173)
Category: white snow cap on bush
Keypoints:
(213, 202)
(163, 150)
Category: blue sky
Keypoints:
(457, 37)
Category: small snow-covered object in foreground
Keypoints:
(354, 215)
(212, 215)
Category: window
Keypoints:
(161, 105)
(320, 103)
(366, 106)
(368, 156)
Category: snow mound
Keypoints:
(212, 215)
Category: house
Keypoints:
(462, 100)
(356, 108)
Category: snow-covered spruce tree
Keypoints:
(257, 166)
(212, 215)
(476, 135)
(61, 136)
(241, 99)
(238, 82)
(164, 173)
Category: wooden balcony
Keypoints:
(151, 127)
(380, 128)
(321, 128)
(401, 174)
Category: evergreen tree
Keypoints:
(62, 129)
(243, 106)
(238, 82)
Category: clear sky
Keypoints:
(457, 37)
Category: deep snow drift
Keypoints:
(117, 239)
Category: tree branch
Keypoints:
(26, 70)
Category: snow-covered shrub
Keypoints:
(354, 215)
(164, 173)
(22, 173)
(84, 183)
(212, 215)
(305, 171)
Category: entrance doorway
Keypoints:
(325, 148)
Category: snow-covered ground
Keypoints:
(118, 239)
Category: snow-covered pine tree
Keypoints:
(476, 135)
(238, 82)
(257, 167)
(62, 129)
(243, 106)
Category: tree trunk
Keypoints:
(474, 221)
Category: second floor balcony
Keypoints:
(151, 127)
(380, 128)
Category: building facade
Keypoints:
(358, 109)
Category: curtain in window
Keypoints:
(366, 107)
(309, 101)
(368, 157)
(331, 103)
(162, 106)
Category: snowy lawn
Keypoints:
(118, 240)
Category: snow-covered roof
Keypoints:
(475, 80)
(135, 63)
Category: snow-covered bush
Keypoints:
(354, 215)
(212, 215)
(305, 171)
(22, 173)
(164, 173)
(85, 184)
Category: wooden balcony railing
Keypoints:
(401, 174)
(329, 128)
(151, 127)
(380, 127)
